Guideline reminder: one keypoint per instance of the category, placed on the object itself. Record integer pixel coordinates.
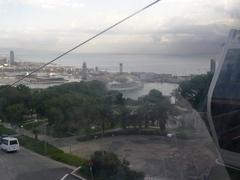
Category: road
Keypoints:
(26, 165)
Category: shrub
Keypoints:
(106, 164)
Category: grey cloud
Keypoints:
(235, 12)
(183, 36)
(177, 36)
(230, 7)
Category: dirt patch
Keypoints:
(156, 156)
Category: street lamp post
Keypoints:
(45, 144)
(21, 127)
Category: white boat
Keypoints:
(125, 86)
(47, 79)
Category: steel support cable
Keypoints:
(84, 42)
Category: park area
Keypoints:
(158, 157)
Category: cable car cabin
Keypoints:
(224, 102)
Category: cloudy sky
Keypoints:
(170, 27)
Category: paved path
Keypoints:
(58, 142)
(26, 165)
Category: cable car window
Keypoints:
(226, 103)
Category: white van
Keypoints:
(10, 144)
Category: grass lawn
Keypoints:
(46, 149)
(4, 130)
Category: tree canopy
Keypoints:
(84, 106)
(196, 89)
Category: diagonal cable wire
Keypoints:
(84, 42)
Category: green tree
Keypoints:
(122, 109)
(196, 89)
(155, 107)
(15, 113)
(195, 92)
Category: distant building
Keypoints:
(212, 66)
(11, 60)
(96, 69)
(3, 61)
(84, 71)
(120, 68)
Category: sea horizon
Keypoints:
(132, 62)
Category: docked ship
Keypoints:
(51, 79)
(124, 82)
(125, 86)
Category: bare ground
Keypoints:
(158, 157)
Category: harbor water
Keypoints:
(165, 88)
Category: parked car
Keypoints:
(9, 144)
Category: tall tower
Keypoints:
(11, 60)
(121, 68)
(212, 66)
(96, 69)
(84, 71)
